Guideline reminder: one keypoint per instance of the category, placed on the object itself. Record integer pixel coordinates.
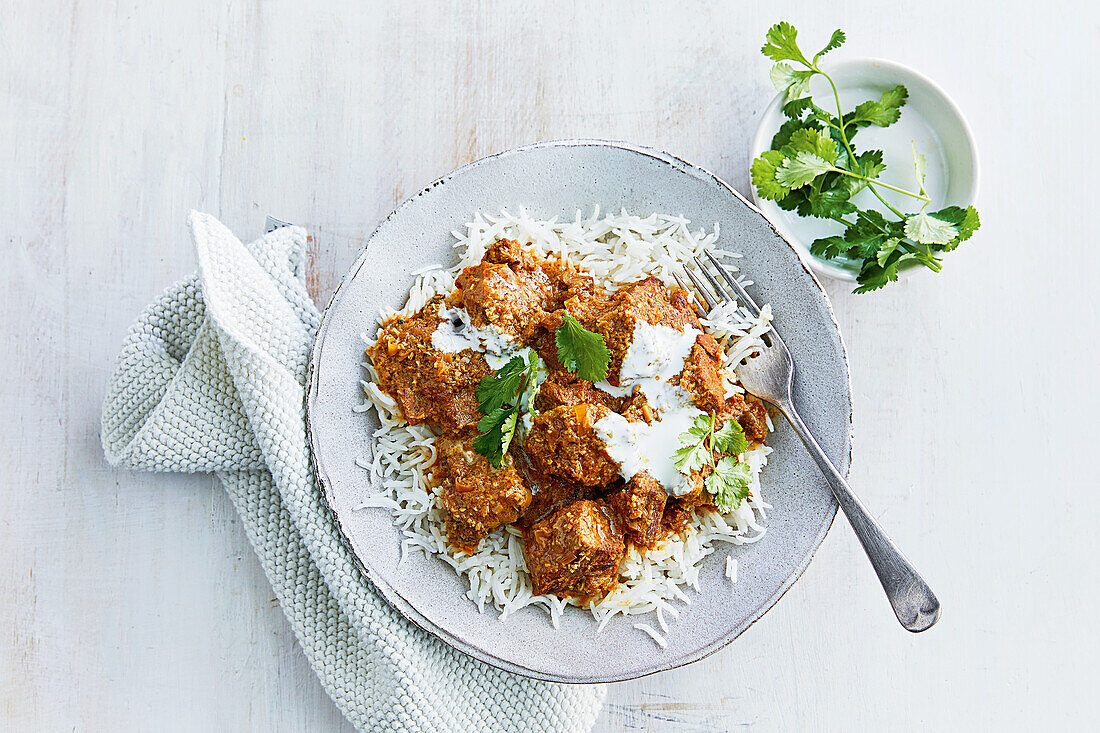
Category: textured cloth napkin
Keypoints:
(212, 377)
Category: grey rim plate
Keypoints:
(557, 179)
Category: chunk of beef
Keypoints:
(563, 442)
(753, 417)
(564, 388)
(639, 506)
(511, 299)
(635, 408)
(565, 279)
(477, 498)
(513, 288)
(701, 377)
(575, 552)
(509, 252)
(428, 385)
(678, 509)
(645, 300)
(544, 342)
(550, 492)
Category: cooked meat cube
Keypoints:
(497, 294)
(550, 492)
(563, 442)
(513, 288)
(635, 408)
(509, 252)
(702, 379)
(646, 300)
(575, 552)
(428, 385)
(639, 506)
(477, 498)
(544, 342)
(753, 419)
(564, 388)
(678, 509)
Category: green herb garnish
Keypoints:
(696, 450)
(581, 351)
(499, 395)
(813, 169)
(729, 480)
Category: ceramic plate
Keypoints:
(556, 179)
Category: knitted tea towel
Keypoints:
(212, 377)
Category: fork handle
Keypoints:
(913, 601)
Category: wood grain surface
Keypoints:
(133, 601)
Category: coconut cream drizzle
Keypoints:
(456, 332)
(656, 355)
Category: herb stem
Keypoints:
(874, 182)
(926, 258)
(852, 156)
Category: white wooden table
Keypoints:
(133, 601)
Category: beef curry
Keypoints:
(590, 472)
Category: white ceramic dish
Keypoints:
(933, 123)
(554, 179)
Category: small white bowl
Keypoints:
(929, 119)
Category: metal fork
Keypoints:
(768, 376)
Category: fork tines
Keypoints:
(712, 291)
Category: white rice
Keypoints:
(731, 569)
(614, 249)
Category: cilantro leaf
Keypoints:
(868, 233)
(874, 276)
(782, 44)
(827, 197)
(830, 247)
(582, 352)
(835, 42)
(730, 438)
(691, 457)
(763, 172)
(928, 229)
(809, 140)
(886, 249)
(533, 364)
(883, 113)
(730, 482)
(790, 82)
(920, 167)
(869, 164)
(496, 430)
(695, 453)
(500, 404)
(501, 387)
(966, 221)
(793, 200)
(801, 169)
(795, 108)
(783, 136)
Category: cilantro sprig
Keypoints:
(581, 351)
(500, 401)
(729, 481)
(813, 169)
